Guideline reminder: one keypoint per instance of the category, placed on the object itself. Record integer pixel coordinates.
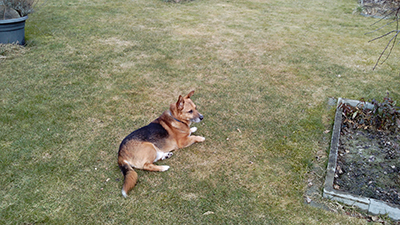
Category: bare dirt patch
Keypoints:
(369, 164)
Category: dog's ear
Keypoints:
(179, 103)
(190, 94)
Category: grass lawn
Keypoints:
(94, 71)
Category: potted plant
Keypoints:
(13, 14)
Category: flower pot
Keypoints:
(13, 31)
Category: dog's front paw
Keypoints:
(164, 168)
(193, 129)
(200, 139)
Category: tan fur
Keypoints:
(141, 149)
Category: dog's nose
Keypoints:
(200, 116)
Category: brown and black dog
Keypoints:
(156, 141)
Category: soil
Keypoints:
(369, 163)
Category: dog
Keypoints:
(156, 141)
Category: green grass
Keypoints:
(94, 71)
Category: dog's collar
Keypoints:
(174, 117)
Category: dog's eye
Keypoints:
(191, 111)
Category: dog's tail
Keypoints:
(130, 177)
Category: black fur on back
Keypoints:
(154, 133)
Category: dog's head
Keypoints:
(185, 110)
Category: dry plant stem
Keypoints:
(392, 41)
(4, 14)
(23, 7)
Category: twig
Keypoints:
(392, 41)
(383, 52)
(380, 28)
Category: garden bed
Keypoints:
(363, 168)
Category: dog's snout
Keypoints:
(200, 116)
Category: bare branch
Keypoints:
(393, 31)
(390, 51)
(381, 27)
(393, 14)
